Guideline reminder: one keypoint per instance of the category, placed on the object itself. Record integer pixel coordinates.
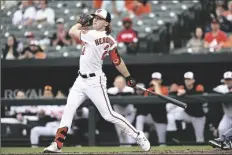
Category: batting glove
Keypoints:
(130, 81)
(85, 20)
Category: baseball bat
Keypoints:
(167, 98)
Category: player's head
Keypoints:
(139, 91)
(189, 79)
(215, 25)
(101, 21)
(48, 92)
(227, 78)
(119, 82)
(157, 76)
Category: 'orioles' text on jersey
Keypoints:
(96, 48)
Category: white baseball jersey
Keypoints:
(97, 46)
(227, 107)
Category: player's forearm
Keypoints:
(75, 31)
(123, 69)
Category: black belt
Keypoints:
(85, 75)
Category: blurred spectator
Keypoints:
(194, 112)
(30, 36)
(139, 91)
(12, 48)
(114, 6)
(33, 51)
(60, 95)
(216, 38)
(20, 95)
(97, 4)
(155, 116)
(225, 24)
(8, 4)
(228, 13)
(138, 7)
(48, 94)
(228, 43)
(61, 37)
(121, 89)
(196, 43)
(225, 88)
(44, 42)
(45, 15)
(26, 15)
(128, 36)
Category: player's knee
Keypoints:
(108, 117)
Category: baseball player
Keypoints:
(155, 117)
(194, 113)
(91, 82)
(226, 88)
(120, 89)
(224, 141)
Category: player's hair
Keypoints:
(108, 29)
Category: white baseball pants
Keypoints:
(48, 130)
(198, 125)
(159, 127)
(94, 88)
(224, 125)
(129, 112)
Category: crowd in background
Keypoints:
(215, 37)
(34, 12)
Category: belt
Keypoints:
(86, 75)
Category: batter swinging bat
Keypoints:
(167, 98)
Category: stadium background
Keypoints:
(161, 47)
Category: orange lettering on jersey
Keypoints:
(97, 42)
(104, 40)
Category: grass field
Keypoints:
(120, 150)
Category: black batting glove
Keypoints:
(130, 81)
(85, 20)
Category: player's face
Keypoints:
(189, 82)
(120, 82)
(99, 23)
(228, 82)
(159, 81)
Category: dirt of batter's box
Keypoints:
(168, 152)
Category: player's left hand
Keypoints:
(130, 81)
(85, 20)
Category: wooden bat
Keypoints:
(167, 98)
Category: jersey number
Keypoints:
(105, 52)
(103, 55)
(83, 50)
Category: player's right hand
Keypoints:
(130, 81)
(85, 20)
